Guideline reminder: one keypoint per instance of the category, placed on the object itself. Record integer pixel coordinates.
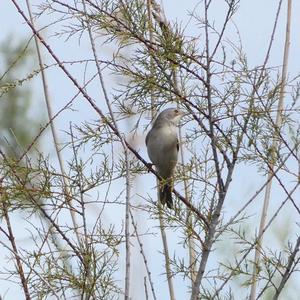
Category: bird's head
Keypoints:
(172, 115)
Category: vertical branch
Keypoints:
(53, 129)
(161, 221)
(166, 252)
(189, 221)
(126, 155)
(14, 246)
(221, 188)
(127, 226)
(278, 124)
(87, 266)
(211, 231)
(189, 217)
(144, 256)
(150, 28)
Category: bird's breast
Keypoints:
(162, 148)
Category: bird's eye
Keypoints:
(176, 111)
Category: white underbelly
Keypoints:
(163, 151)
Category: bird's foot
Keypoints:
(149, 166)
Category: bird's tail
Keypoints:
(165, 194)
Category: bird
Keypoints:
(162, 147)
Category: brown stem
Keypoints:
(14, 246)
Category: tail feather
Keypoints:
(165, 195)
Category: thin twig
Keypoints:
(41, 208)
(143, 255)
(278, 123)
(222, 189)
(53, 129)
(14, 246)
(26, 263)
(287, 272)
(127, 162)
(253, 245)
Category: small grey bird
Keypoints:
(162, 145)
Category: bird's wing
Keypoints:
(177, 145)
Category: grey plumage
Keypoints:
(162, 146)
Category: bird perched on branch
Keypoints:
(162, 146)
